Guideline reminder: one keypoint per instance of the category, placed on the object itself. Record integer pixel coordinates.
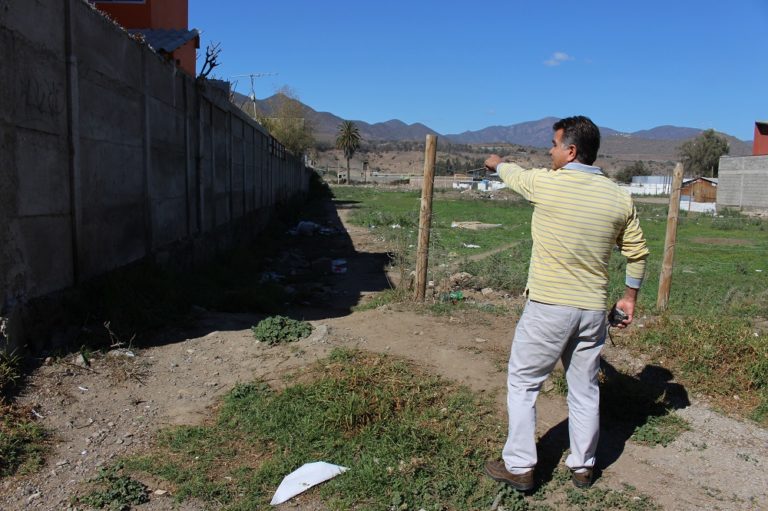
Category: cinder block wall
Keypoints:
(743, 182)
(110, 155)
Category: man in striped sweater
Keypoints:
(579, 215)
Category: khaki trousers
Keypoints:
(544, 334)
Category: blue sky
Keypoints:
(458, 66)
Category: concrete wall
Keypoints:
(743, 182)
(109, 154)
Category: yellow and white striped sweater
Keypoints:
(579, 215)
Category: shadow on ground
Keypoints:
(304, 266)
(626, 403)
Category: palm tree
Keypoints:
(348, 140)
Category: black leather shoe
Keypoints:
(498, 472)
(582, 479)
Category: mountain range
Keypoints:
(660, 142)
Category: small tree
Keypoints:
(701, 155)
(287, 121)
(626, 174)
(348, 140)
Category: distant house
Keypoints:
(162, 23)
(649, 185)
(699, 189)
(743, 181)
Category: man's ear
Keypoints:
(572, 153)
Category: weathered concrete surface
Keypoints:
(743, 182)
(110, 155)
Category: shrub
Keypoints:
(117, 492)
(277, 329)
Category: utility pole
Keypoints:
(252, 95)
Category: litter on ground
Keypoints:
(473, 225)
(304, 478)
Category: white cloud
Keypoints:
(557, 58)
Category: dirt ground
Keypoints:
(117, 405)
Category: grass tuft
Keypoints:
(22, 441)
(115, 491)
(660, 430)
(386, 297)
(9, 372)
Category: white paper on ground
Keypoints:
(304, 478)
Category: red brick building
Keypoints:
(162, 23)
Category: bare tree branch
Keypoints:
(212, 52)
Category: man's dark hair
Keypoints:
(581, 132)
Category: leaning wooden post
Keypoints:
(665, 279)
(425, 217)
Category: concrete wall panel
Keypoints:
(206, 169)
(41, 26)
(112, 174)
(42, 161)
(46, 242)
(220, 149)
(161, 79)
(166, 124)
(168, 177)
(31, 96)
(112, 237)
(221, 209)
(109, 114)
(169, 221)
(743, 182)
(106, 49)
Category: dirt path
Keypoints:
(117, 405)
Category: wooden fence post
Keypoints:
(425, 217)
(665, 279)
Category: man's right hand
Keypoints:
(492, 162)
(627, 304)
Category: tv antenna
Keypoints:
(252, 95)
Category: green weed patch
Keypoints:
(599, 499)
(9, 372)
(114, 491)
(277, 329)
(22, 441)
(660, 430)
(386, 297)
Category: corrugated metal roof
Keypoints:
(164, 39)
(712, 180)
